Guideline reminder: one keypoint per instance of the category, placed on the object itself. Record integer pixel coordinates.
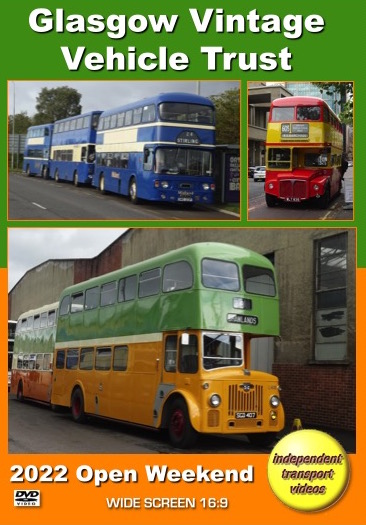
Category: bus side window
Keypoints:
(170, 359)
(60, 359)
(120, 358)
(188, 356)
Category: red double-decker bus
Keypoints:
(303, 152)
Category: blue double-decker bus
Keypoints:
(37, 150)
(158, 149)
(73, 148)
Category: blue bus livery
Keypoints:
(37, 150)
(158, 149)
(73, 148)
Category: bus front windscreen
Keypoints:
(183, 161)
(220, 349)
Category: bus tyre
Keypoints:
(264, 439)
(44, 172)
(132, 190)
(77, 406)
(28, 172)
(20, 396)
(102, 185)
(181, 432)
(323, 201)
(271, 200)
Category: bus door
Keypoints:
(101, 387)
(168, 363)
(59, 380)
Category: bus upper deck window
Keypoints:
(280, 114)
(222, 275)
(308, 113)
(259, 281)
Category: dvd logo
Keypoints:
(27, 498)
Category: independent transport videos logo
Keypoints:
(27, 498)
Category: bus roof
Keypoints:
(213, 250)
(87, 114)
(41, 126)
(188, 98)
(295, 101)
(40, 309)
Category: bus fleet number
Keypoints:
(43, 474)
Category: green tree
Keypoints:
(21, 123)
(345, 92)
(57, 103)
(227, 106)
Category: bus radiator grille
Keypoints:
(242, 401)
(293, 189)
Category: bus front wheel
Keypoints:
(77, 406)
(181, 432)
(324, 200)
(132, 190)
(20, 396)
(102, 185)
(271, 200)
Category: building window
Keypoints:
(331, 299)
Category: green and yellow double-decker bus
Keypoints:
(165, 343)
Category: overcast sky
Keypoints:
(29, 247)
(102, 95)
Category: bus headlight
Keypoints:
(205, 186)
(164, 184)
(215, 400)
(274, 401)
(316, 187)
(270, 186)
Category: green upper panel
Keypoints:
(211, 286)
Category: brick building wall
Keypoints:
(107, 261)
(320, 395)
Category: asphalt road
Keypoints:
(258, 210)
(36, 198)
(35, 428)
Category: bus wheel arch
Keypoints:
(176, 418)
(77, 405)
(132, 190)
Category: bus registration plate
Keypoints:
(292, 199)
(245, 415)
(185, 196)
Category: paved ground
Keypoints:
(346, 438)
